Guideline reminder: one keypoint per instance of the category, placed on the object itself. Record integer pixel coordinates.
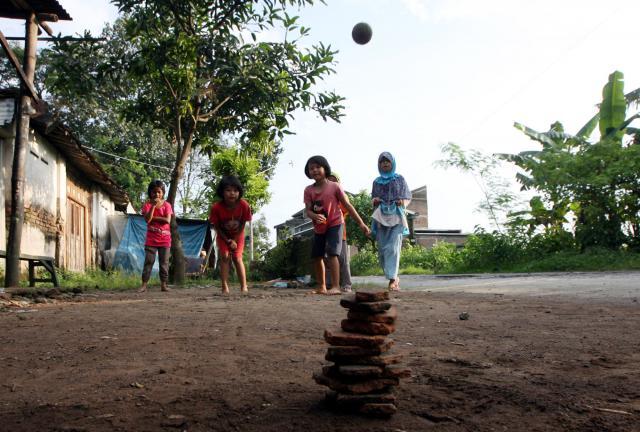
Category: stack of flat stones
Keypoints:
(364, 373)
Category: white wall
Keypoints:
(40, 192)
(102, 207)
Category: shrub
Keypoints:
(490, 252)
(365, 263)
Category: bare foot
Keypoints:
(334, 291)
(319, 291)
(394, 285)
(225, 291)
(244, 290)
(143, 288)
(164, 288)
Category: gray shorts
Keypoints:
(329, 243)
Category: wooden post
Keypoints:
(14, 240)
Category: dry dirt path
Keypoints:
(197, 361)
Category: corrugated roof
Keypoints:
(20, 9)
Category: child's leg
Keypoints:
(318, 265)
(242, 274)
(149, 259)
(345, 270)
(225, 259)
(163, 260)
(333, 248)
(334, 271)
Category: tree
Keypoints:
(598, 182)
(261, 241)
(498, 198)
(185, 68)
(362, 203)
(115, 142)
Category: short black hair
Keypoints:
(320, 160)
(227, 181)
(156, 184)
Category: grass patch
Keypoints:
(116, 280)
(413, 270)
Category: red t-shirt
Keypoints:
(230, 220)
(325, 201)
(158, 233)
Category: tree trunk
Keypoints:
(177, 268)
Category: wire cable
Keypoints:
(125, 158)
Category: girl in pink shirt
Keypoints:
(322, 202)
(157, 212)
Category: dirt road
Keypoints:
(197, 361)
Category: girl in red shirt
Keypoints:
(229, 217)
(157, 212)
(322, 201)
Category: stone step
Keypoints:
(359, 351)
(364, 296)
(341, 338)
(353, 402)
(388, 317)
(367, 327)
(378, 360)
(362, 387)
(351, 373)
(349, 302)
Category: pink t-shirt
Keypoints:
(158, 233)
(325, 201)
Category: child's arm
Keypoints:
(148, 216)
(317, 218)
(231, 242)
(151, 216)
(354, 214)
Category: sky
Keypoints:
(439, 71)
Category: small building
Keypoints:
(68, 196)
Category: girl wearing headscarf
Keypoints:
(390, 195)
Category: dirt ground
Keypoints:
(193, 360)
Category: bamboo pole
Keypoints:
(14, 240)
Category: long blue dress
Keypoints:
(389, 187)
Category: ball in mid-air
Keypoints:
(361, 33)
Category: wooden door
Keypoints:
(75, 232)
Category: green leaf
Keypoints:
(613, 108)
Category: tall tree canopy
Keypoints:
(196, 71)
(596, 182)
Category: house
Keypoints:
(299, 225)
(67, 197)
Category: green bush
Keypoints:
(490, 252)
(441, 258)
(289, 259)
(365, 263)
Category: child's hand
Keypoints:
(366, 230)
(233, 245)
(375, 201)
(319, 219)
